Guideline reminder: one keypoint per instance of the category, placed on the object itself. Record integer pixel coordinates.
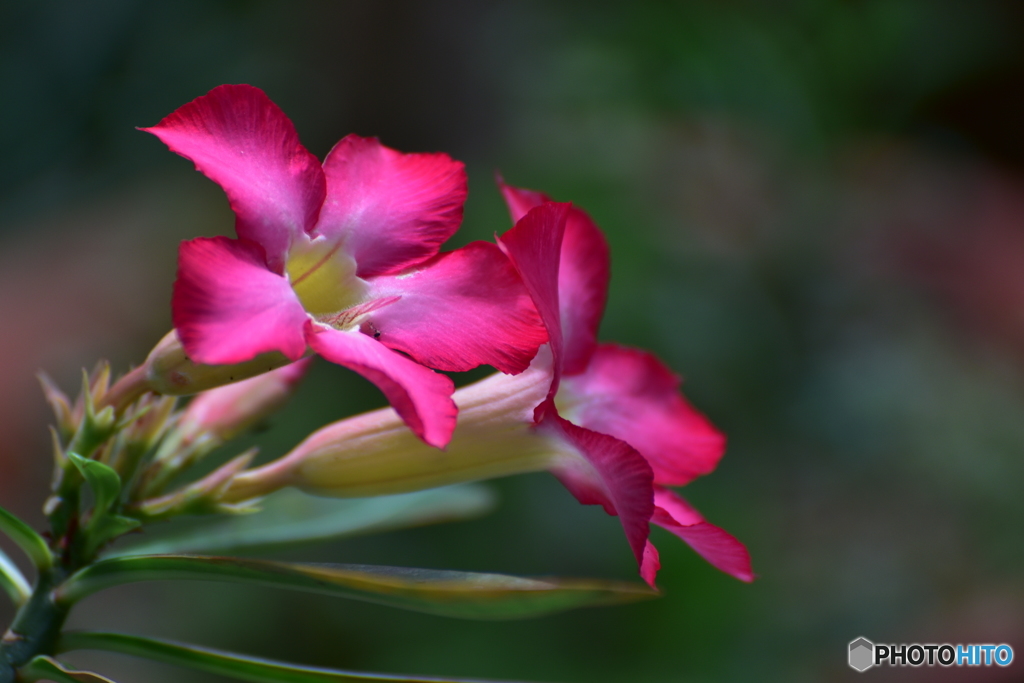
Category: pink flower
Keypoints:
(608, 421)
(343, 258)
(619, 409)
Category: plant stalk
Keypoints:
(36, 627)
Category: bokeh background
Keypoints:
(816, 212)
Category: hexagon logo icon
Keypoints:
(862, 654)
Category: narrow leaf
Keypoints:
(27, 539)
(448, 593)
(290, 516)
(111, 526)
(104, 481)
(44, 668)
(12, 581)
(240, 667)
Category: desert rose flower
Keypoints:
(623, 405)
(342, 258)
(608, 421)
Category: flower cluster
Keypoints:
(343, 260)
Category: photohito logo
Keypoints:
(863, 654)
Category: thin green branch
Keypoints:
(27, 539)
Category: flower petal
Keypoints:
(611, 474)
(520, 200)
(720, 548)
(459, 310)
(422, 397)
(392, 209)
(533, 245)
(228, 307)
(631, 395)
(583, 275)
(650, 565)
(243, 142)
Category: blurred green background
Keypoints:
(816, 213)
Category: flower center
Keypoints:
(569, 403)
(323, 276)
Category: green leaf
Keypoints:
(240, 667)
(27, 539)
(290, 516)
(112, 526)
(46, 668)
(104, 481)
(448, 593)
(106, 487)
(12, 581)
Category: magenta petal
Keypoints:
(533, 245)
(519, 200)
(583, 274)
(422, 397)
(650, 565)
(631, 395)
(228, 307)
(720, 548)
(617, 478)
(394, 210)
(459, 310)
(243, 142)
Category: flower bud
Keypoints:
(169, 371)
(376, 454)
(199, 497)
(226, 412)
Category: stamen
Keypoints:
(347, 318)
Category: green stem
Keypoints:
(36, 627)
(62, 506)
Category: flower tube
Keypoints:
(375, 454)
